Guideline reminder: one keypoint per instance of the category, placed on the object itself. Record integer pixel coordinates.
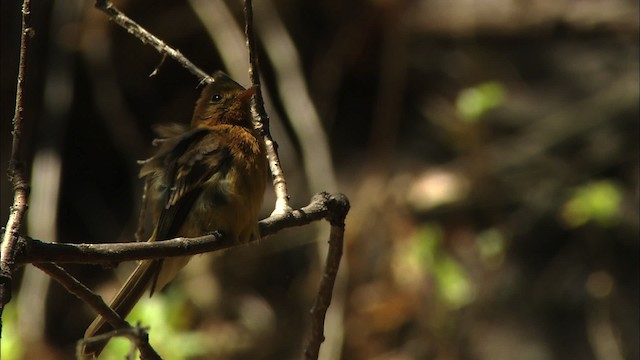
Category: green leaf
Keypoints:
(473, 102)
(12, 347)
(597, 202)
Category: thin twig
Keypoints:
(155, 71)
(83, 293)
(16, 170)
(262, 119)
(138, 335)
(146, 37)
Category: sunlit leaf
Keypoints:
(164, 315)
(491, 246)
(425, 256)
(12, 348)
(473, 102)
(597, 201)
(453, 282)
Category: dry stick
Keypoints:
(147, 38)
(75, 287)
(83, 293)
(262, 119)
(16, 171)
(338, 209)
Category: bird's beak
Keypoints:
(246, 95)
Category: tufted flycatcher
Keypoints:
(203, 178)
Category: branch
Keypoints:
(16, 170)
(332, 208)
(83, 293)
(261, 119)
(338, 210)
(147, 38)
(137, 335)
(35, 251)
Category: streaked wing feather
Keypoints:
(193, 158)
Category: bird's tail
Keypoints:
(122, 303)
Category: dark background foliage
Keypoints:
(489, 149)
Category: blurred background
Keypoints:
(489, 150)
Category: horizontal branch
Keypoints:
(29, 250)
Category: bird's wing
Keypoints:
(183, 164)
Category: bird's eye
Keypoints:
(216, 97)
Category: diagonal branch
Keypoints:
(83, 293)
(148, 38)
(138, 335)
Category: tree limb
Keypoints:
(36, 251)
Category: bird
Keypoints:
(204, 178)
